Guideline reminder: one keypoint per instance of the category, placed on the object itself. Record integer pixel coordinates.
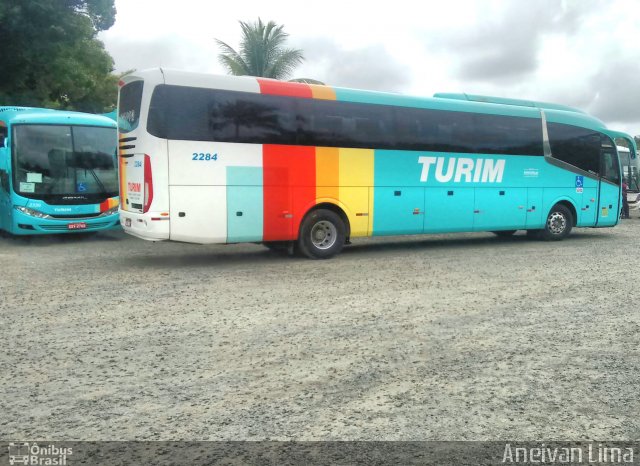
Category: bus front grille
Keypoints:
(76, 217)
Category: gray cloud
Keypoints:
(370, 67)
(170, 52)
(506, 47)
(618, 93)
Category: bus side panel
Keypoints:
(535, 214)
(198, 214)
(355, 179)
(244, 204)
(286, 167)
(399, 199)
(448, 209)
(589, 206)
(501, 208)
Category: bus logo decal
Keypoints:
(134, 187)
(462, 169)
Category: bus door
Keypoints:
(610, 187)
(5, 197)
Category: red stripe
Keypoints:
(289, 177)
(273, 87)
(104, 206)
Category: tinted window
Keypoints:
(185, 113)
(129, 106)
(344, 124)
(577, 146)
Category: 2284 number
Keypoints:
(203, 156)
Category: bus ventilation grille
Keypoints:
(75, 217)
(126, 145)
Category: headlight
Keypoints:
(31, 212)
(111, 211)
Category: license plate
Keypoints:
(127, 222)
(77, 226)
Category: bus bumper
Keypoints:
(149, 226)
(23, 224)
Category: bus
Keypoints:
(58, 172)
(631, 174)
(224, 159)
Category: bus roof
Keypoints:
(507, 101)
(33, 115)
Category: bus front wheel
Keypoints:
(558, 225)
(322, 234)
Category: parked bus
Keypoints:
(58, 171)
(222, 159)
(630, 173)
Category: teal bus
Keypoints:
(225, 159)
(57, 172)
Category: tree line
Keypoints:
(50, 55)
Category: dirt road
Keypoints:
(453, 337)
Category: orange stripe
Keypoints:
(327, 172)
(322, 92)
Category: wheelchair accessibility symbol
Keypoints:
(579, 181)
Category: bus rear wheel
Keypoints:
(559, 224)
(322, 234)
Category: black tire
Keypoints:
(322, 234)
(558, 225)
(504, 233)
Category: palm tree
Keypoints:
(262, 52)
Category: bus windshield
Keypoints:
(57, 161)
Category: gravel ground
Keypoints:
(458, 337)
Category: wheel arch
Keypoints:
(569, 205)
(332, 207)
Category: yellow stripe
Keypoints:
(355, 180)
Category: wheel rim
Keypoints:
(556, 223)
(324, 234)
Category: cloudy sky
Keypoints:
(582, 53)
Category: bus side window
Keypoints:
(3, 136)
(610, 170)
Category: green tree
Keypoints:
(262, 52)
(50, 56)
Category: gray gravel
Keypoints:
(454, 337)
